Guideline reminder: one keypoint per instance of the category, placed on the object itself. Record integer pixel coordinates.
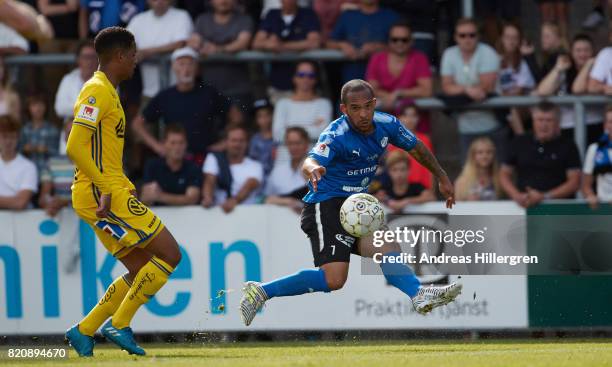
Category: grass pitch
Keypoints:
(489, 353)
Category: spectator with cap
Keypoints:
(225, 30)
(361, 33)
(172, 180)
(199, 108)
(18, 176)
(286, 185)
(469, 71)
(546, 165)
(401, 72)
(158, 31)
(288, 29)
(230, 177)
(71, 84)
(263, 147)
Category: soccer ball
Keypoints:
(361, 215)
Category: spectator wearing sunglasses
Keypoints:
(470, 69)
(304, 107)
(401, 72)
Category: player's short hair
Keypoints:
(112, 38)
(8, 124)
(298, 130)
(175, 129)
(355, 85)
(547, 106)
(84, 44)
(396, 156)
(463, 21)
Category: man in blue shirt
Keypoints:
(343, 162)
(288, 29)
(359, 34)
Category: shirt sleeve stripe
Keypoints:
(85, 125)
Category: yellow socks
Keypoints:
(106, 307)
(147, 282)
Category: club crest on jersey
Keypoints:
(112, 229)
(365, 181)
(88, 113)
(322, 149)
(136, 207)
(384, 141)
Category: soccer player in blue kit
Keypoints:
(343, 162)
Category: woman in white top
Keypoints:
(598, 163)
(514, 77)
(304, 108)
(9, 99)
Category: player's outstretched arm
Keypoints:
(313, 171)
(429, 161)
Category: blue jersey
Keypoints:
(351, 158)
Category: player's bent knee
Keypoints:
(335, 284)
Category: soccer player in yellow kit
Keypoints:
(104, 197)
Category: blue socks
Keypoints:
(304, 281)
(401, 276)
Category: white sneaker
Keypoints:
(429, 298)
(253, 299)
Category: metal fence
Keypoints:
(578, 102)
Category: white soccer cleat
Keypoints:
(253, 299)
(429, 298)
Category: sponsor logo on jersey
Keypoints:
(347, 240)
(88, 113)
(372, 158)
(384, 141)
(91, 100)
(352, 188)
(322, 149)
(357, 172)
(357, 152)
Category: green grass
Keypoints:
(490, 353)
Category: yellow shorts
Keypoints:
(129, 223)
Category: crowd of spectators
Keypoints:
(211, 138)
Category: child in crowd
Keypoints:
(408, 114)
(396, 192)
(262, 147)
(39, 138)
(479, 179)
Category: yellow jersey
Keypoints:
(98, 108)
